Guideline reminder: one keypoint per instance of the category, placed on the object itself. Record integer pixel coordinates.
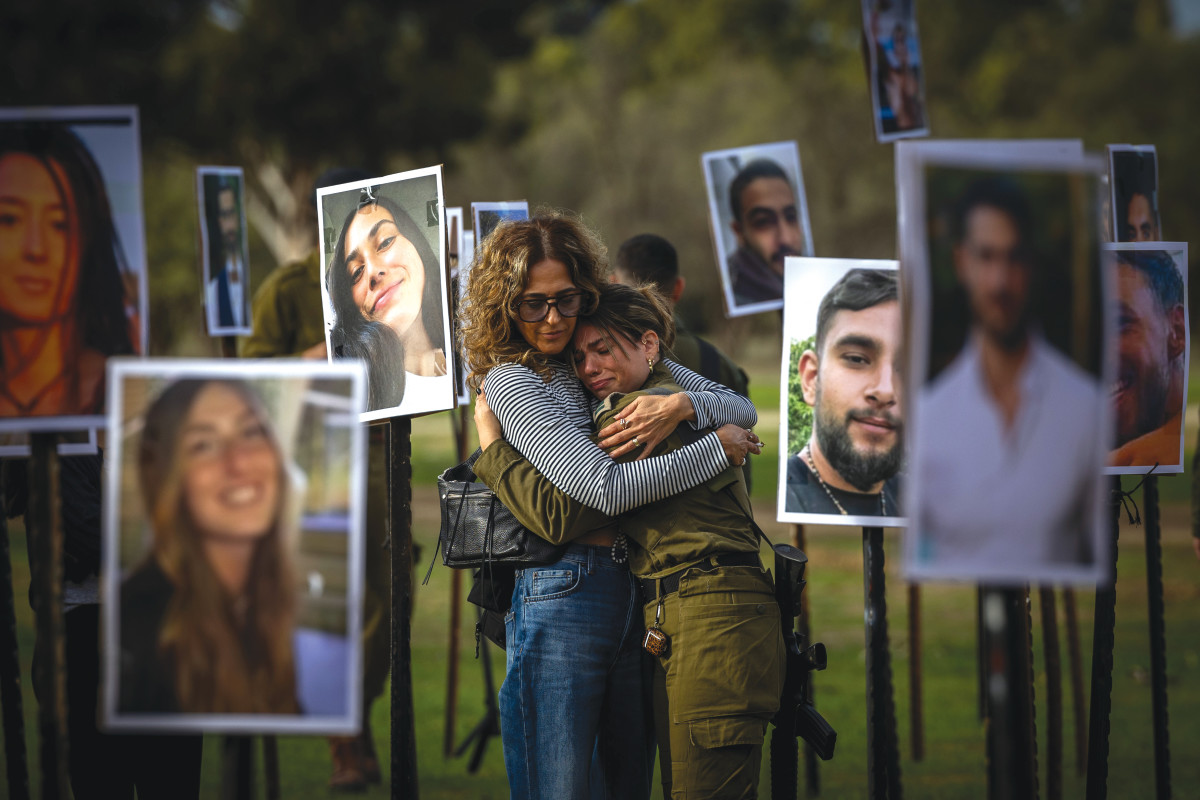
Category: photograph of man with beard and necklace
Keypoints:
(759, 217)
(843, 426)
(1008, 358)
(1150, 393)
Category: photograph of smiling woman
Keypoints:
(58, 244)
(403, 346)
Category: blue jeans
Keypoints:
(574, 683)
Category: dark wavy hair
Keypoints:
(102, 264)
(355, 336)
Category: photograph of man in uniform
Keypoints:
(1009, 428)
(227, 292)
(756, 200)
(849, 466)
(1134, 178)
(1152, 346)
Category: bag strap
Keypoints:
(462, 498)
(753, 525)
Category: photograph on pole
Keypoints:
(224, 263)
(758, 216)
(233, 546)
(843, 423)
(1133, 181)
(895, 75)
(486, 216)
(1009, 363)
(72, 261)
(383, 258)
(1153, 345)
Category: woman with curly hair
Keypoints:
(207, 621)
(573, 632)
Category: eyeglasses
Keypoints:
(535, 309)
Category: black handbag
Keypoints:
(478, 531)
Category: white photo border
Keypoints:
(119, 369)
(799, 312)
(205, 244)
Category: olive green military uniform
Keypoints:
(287, 320)
(719, 682)
(703, 358)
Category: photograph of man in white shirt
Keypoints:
(1012, 434)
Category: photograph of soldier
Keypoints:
(1009, 366)
(223, 249)
(1133, 178)
(72, 262)
(758, 216)
(1150, 391)
(894, 75)
(233, 525)
(844, 424)
(384, 268)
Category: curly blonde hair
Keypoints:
(489, 335)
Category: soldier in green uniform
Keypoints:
(714, 627)
(649, 258)
(288, 321)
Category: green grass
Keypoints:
(954, 763)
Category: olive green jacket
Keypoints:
(707, 519)
(287, 314)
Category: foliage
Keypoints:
(800, 413)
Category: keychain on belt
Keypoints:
(655, 641)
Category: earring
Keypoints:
(650, 363)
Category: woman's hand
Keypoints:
(645, 422)
(487, 425)
(739, 443)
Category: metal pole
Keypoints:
(1012, 773)
(1102, 665)
(46, 553)
(237, 767)
(1054, 743)
(1158, 639)
(1075, 659)
(812, 763)
(404, 742)
(271, 766)
(460, 436)
(916, 701)
(15, 759)
(883, 758)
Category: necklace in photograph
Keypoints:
(26, 408)
(806, 454)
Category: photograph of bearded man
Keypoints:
(1150, 392)
(846, 469)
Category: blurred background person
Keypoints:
(62, 298)
(288, 322)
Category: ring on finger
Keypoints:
(636, 443)
(624, 423)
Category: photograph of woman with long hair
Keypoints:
(207, 619)
(385, 282)
(214, 522)
(574, 629)
(63, 276)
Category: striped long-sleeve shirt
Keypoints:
(550, 424)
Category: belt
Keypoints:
(654, 588)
